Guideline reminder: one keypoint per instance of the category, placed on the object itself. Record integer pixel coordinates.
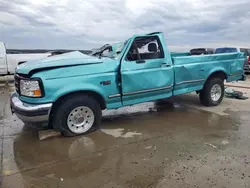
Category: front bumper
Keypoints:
(30, 113)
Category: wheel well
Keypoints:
(218, 74)
(93, 94)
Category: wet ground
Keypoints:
(162, 144)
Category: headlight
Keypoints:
(30, 88)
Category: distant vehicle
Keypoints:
(9, 59)
(68, 92)
(8, 62)
(236, 49)
(247, 62)
(202, 51)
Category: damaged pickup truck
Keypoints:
(69, 91)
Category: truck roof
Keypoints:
(154, 33)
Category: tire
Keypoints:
(212, 92)
(77, 115)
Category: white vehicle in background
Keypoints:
(8, 62)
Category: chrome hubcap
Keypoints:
(216, 92)
(80, 119)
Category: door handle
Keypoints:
(140, 61)
(165, 65)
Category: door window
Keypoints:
(144, 48)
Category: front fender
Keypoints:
(78, 87)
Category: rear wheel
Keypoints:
(212, 92)
(77, 114)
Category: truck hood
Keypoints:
(64, 60)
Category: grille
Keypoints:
(17, 83)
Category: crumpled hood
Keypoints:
(63, 60)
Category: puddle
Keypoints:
(224, 142)
(113, 132)
(120, 133)
(131, 134)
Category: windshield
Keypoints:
(117, 49)
(111, 51)
(225, 50)
(98, 51)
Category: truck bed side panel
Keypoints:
(191, 72)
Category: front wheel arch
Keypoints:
(64, 106)
(99, 98)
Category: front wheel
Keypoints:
(212, 92)
(77, 114)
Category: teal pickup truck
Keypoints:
(69, 91)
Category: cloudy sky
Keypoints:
(86, 24)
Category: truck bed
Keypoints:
(186, 58)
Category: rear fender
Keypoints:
(217, 70)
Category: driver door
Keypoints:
(146, 72)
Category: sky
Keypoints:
(87, 24)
